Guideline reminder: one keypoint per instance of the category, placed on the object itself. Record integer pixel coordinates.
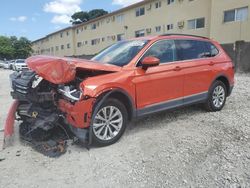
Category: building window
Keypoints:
(68, 45)
(79, 44)
(170, 27)
(140, 11)
(77, 31)
(239, 14)
(196, 23)
(103, 39)
(95, 41)
(62, 47)
(52, 49)
(61, 35)
(86, 42)
(67, 33)
(170, 1)
(93, 26)
(158, 29)
(57, 48)
(120, 18)
(120, 37)
(140, 33)
(158, 4)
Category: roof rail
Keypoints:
(179, 34)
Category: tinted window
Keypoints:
(211, 49)
(163, 50)
(20, 61)
(192, 49)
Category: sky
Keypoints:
(37, 18)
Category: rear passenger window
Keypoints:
(194, 49)
(163, 50)
(191, 49)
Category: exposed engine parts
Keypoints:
(70, 92)
(43, 124)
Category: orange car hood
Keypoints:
(62, 70)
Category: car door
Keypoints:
(196, 67)
(161, 87)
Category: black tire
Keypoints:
(120, 106)
(209, 105)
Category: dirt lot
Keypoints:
(182, 148)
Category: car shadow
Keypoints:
(163, 118)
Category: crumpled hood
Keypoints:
(62, 70)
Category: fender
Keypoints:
(110, 91)
(101, 97)
(230, 86)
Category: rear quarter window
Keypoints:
(212, 49)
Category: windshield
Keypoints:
(20, 61)
(121, 53)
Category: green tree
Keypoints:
(81, 17)
(14, 48)
(6, 48)
(22, 48)
(96, 13)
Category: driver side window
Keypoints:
(163, 50)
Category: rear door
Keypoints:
(159, 88)
(197, 67)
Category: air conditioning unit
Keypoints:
(148, 30)
(181, 24)
(149, 7)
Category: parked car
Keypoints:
(19, 65)
(1, 63)
(6, 65)
(11, 64)
(130, 79)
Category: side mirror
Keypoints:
(150, 61)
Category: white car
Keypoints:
(6, 65)
(19, 65)
(1, 63)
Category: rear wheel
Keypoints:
(217, 97)
(109, 122)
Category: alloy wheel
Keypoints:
(107, 123)
(218, 96)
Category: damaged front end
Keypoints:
(44, 109)
(50, 102)
(42, 123)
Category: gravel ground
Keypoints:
(183, 148)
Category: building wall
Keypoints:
(231, 31)
(178, 13)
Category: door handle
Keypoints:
(211, 63)
(177, 68)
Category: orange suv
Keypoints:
(97, 98)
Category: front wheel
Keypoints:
(109, 122)
(216, 97)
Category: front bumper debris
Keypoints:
(9, 124)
